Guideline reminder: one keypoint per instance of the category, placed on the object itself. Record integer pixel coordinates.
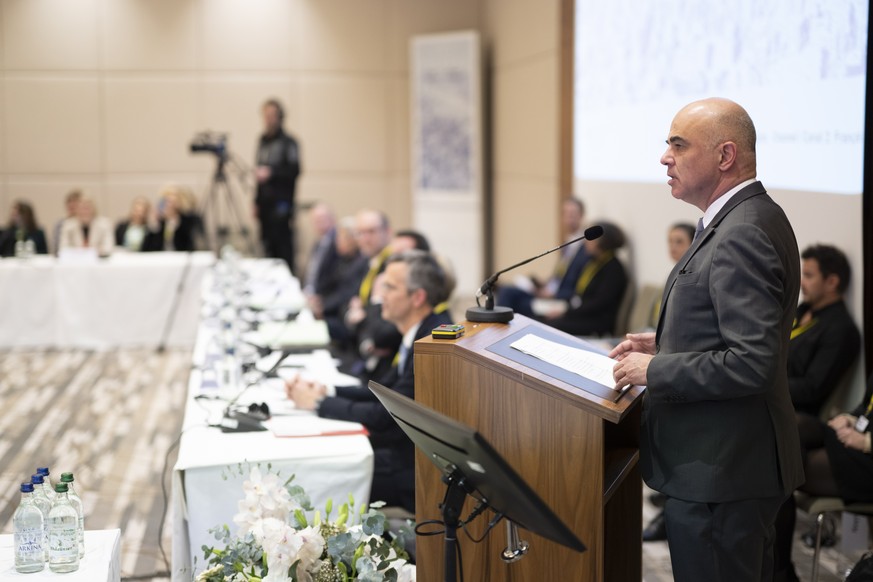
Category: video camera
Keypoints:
(208, 141)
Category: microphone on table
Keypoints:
(498, 314)
(248, 419)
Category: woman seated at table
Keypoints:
(135, 233)
(22, 228)
(176, 227)
(87, 230)
(593, 309)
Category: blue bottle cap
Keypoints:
(37, 479)
(43, 471)
(27, 487)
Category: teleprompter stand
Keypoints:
(470, 466)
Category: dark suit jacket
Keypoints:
(820, 356)
(718, 424)
(360, 405)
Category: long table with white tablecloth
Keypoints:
(212, 465)
(124, 300)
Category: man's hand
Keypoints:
(262, 174)
(842, 421)
(631, 369)
(305, 393)
(851, 438)
(643, 343)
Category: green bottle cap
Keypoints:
(61, 488)
(67, 478)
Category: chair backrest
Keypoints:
(840, 398)
(643, 310)
(624, 309)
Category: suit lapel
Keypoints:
(749, 191)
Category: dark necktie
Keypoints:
(698, 230)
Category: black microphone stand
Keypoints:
(498, 314)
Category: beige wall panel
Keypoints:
(399, 137)
(52, 125)
(255, 36)
(151, 35)
(525, 100)
(346, 194)
(149, 123)
(525, 222)
(400, 200)
(232, 105)
(47, 196)
(3, 133)
(407, 19)
(49, 34)
(344, 124)
(521, 29)
(344, 36)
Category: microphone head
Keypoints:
(593, 232)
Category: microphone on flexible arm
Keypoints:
(498, 314)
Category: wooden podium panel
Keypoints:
(577, 450)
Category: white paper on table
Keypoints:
(308, 426)
(587, 364)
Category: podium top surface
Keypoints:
(486, 344)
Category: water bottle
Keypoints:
(44, 503)
(29, 249)
(19, 249)
(28, 523)
(48, 487)
(63, 528)
(76, 500)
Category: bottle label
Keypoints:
(28, 544)
(63, 543)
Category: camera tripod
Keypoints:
(220, 210)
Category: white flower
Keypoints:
(283, 546)
(265, 497)
(405, 572)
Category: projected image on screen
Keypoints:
(799, 68)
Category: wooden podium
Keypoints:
(577, 449)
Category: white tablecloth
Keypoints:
(123, 300)
(102, 560)
(207, 479)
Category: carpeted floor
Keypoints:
(107, 416)
(110, 417)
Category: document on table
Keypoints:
(582, 362)
(309, 426)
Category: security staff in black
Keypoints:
(278, 165)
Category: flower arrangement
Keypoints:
(277, 542)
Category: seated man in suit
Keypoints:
(825, 341)
(562, 283)
(412, 285)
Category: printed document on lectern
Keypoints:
(584, 363)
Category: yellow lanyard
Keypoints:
(591, 269)
(796, 331)
(869, 406)
(367, 284)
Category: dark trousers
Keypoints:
(277, 235)
(722, 542)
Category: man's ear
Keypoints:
(419, 298)
(832, 282)
(728, 151)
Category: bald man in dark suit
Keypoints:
(718, 433)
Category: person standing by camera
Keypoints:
(277, 168)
